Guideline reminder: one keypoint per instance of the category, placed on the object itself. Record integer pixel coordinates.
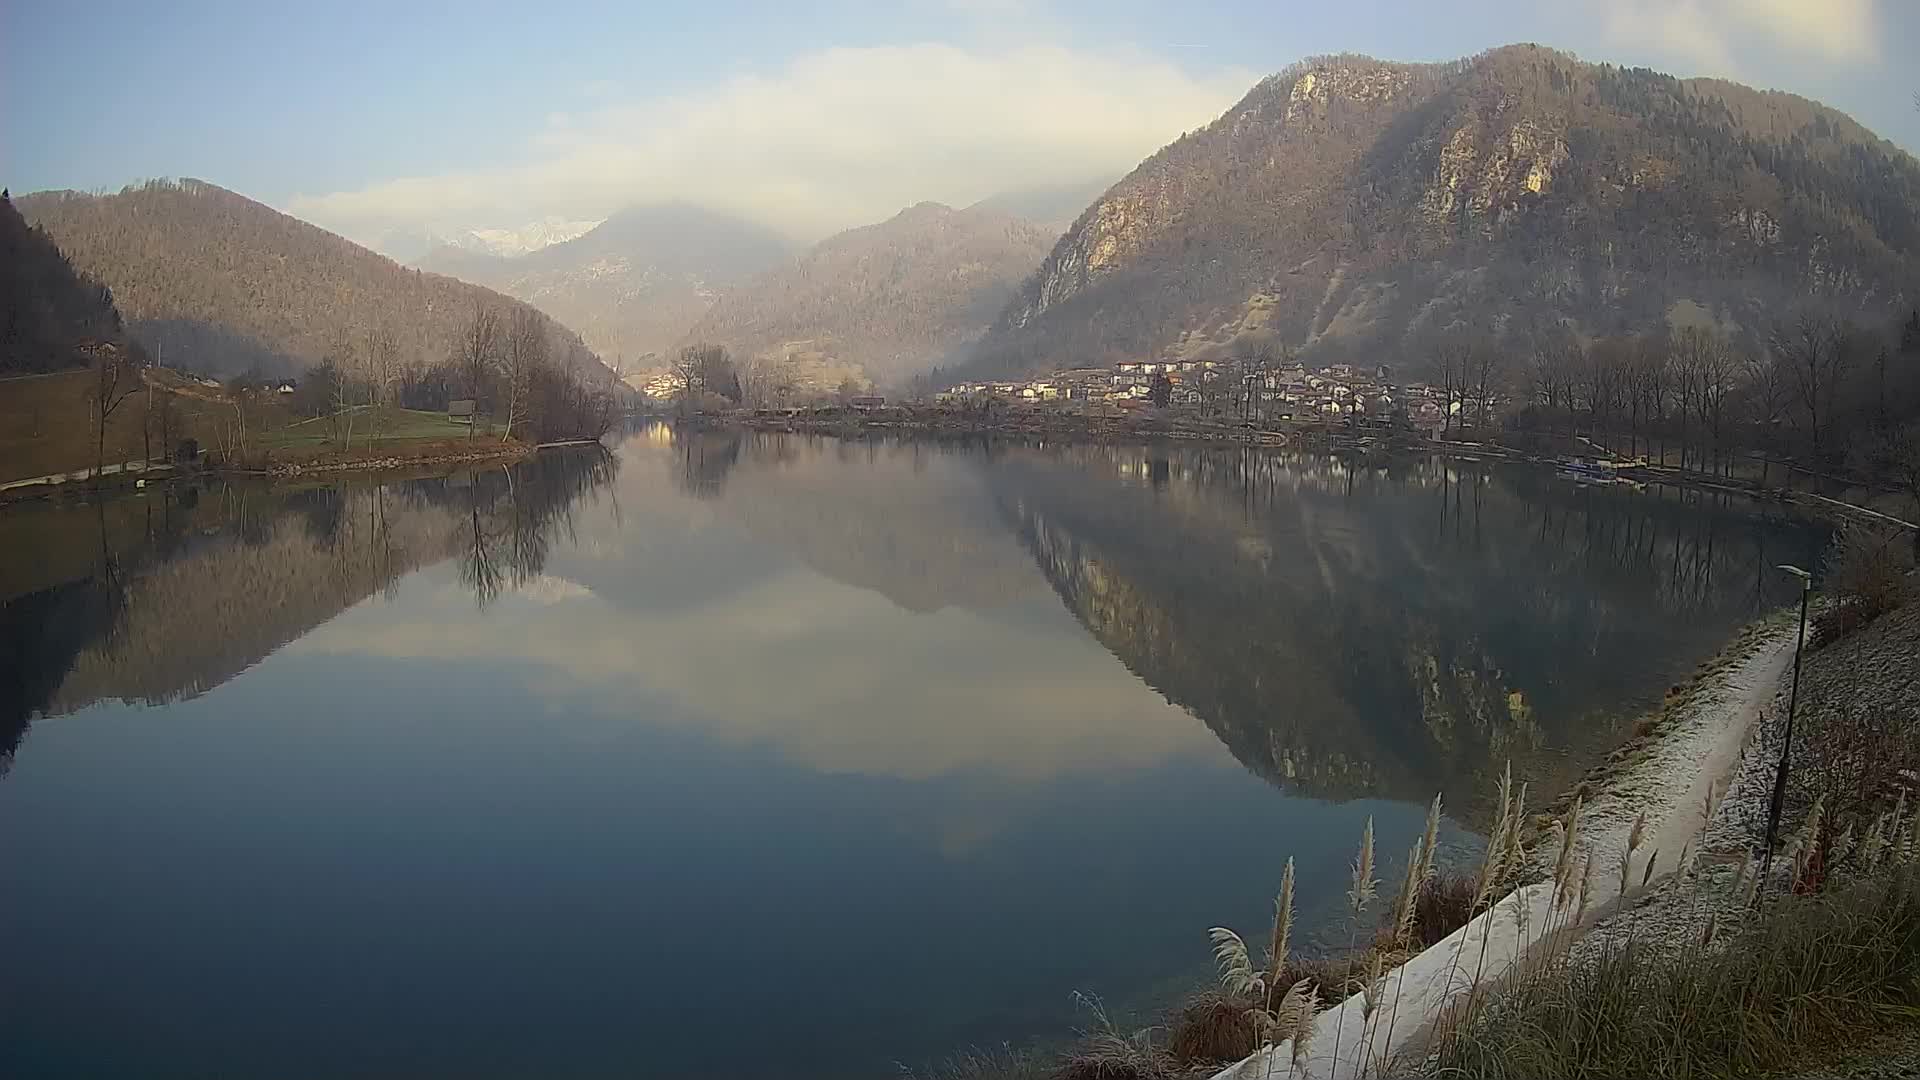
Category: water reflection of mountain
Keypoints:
(1392, 629)
(178, 592)
(913, 521)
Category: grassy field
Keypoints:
(46, 425)
(373, 427)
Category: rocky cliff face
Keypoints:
(1349, 206)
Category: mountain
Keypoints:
(1353, 207)
(890, 300)
(634, 284)
(47, 309)
(533, 236)
(1053, 206)
(218, 283)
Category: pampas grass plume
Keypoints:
(1282, 926)
(1236, 968)
(1364, 885)
(1430, 840)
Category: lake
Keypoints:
(774, 755)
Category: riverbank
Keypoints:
(1639, 812)
(403, 456)
(1720, 967)
(1641, 807)
(1135, 428)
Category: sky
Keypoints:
(377, 118)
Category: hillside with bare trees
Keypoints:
(214, 282)
(47, 308)
(891, 299)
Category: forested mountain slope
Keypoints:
(218, 283)
(636, 283)
(1358, 208)
(891, 299)
(47, 309)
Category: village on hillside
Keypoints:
(1247, 392)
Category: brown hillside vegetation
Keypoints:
(892, 299)
(214, 282)
(1358, 208)
(47, 309)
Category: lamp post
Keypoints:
(1786, 744)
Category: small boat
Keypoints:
(1589, 471)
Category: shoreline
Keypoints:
(119, 478)
(1666, 774)
(1133, 430)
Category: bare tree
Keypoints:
(1453, 357)
(383, 372)
(475, 351)
(524, 350)
(765, 380)
(116, 377)
(160, 420)
(1482, 368)
(690, 366)
(1690, 348)
(1716, 374)
(1815, 355)
(1600, 379)
(1767, 391)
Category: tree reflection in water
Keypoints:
(135, 619)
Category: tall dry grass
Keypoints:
(1815, 969)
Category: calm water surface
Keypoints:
(815, 756)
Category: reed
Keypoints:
(1586, 884)
(1298, 1015)
(1430, 839)
(1563, 865)
(1407, 902)
(1358, 897)
(1236, 967)
(1815, 970)
(1282, 930)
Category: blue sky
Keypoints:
(367, 117)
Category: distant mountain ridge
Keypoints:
(890, 299)
(1356, 208)
(531, 237)
(219, 283)
(1053, 206)
(634, 284)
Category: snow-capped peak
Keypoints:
(530, 237)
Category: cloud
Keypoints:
(841, 678)
(1715, 35)
(834, 138)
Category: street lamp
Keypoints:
(1786, 744)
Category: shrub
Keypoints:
(1853, 757)
(1445, 903)
(1212, 1029)
(1867, 577)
